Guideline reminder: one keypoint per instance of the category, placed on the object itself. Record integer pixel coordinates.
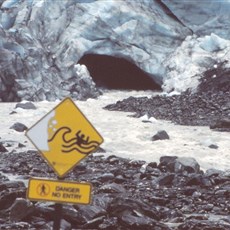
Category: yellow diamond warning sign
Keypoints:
(64, 137)
(59, 191)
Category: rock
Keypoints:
(90, 212)
(72, 216)
(13, 112)
(7, 199)
(20, 209)
(109, 223)
(213, 172)
(100, 150)
(194, 180)
(167, 163)
(112, 188)
(2, 148)
(19, 127)
(18, 225)
(122, 205)
(137, 222)
(26, 105)
(202, 224)
(161, 135)
(200, 108)
(106, 177)
(221, 125)
(65, 225)
(102, 200)
(146, 198)
(213, 146)
(20, 145)
(186, 164)
(165, 180)
(94, 223)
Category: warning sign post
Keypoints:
(63, 137)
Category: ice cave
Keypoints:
(117, 73)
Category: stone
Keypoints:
(202, 224)
(20, 145)
(213, 146)
(19, 127)
(183, 200)
(112, 188)
(109, 223)
(165, 180)
(65, 225)
(94, 223)
(186, 164)
(139, 222)
(106, 177)
(20, 209)
(213, 172)
(73, 216)
(167, 162)
(7, 199)
(26, 105)
(195, 179)
(90, 212)
(2, 148)
(18, 225)
(161, 135)
(221, 125)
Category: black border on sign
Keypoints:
(61, 182)
(40, 152)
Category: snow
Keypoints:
(127, 136)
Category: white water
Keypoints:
(127, 136)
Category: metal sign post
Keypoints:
(57, 213)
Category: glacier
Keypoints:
(173, 42)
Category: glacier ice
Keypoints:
(170, 40)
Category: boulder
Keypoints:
(2, 148)
(221, 125)
(161, 135)
(186, 164)
(19, 127)
(20, 209)
(26, 105)
(167, 163)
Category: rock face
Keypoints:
(203, 17)
(41, 42)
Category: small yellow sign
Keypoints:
(64, 137)
(59, 191)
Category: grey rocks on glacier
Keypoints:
(42, 42)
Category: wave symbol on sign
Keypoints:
(79, 143)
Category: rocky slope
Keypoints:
(127, 194)
(208, 106)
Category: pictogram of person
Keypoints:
(43, 190)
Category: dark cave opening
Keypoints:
(117, 73)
